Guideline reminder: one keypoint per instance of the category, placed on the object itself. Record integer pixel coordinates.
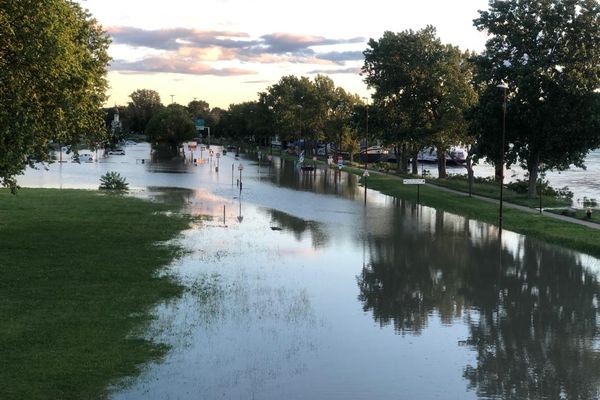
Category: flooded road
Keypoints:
(297, 291)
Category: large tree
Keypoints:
(548, 52)
(170, 127)
(142, 107)
(423, 86)
(53, 59)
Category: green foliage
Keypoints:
(79, 276)
(589, 202)
(53, 60)
(144, 104)
(521, 186)
(422, 88)
(171, 126)
(548, 52)
(113, 181)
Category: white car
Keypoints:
(130, 143)
(116, 152)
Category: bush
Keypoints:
(113, 181)
(521, 186)
(589, 202)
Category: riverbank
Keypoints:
(80, 272)
(545, 227)
(557, 231)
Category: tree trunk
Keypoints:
(441, 162)
(413, 162)
(532, 168)
(470, 174)
(498, 172)
(403, 160)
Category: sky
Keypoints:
(226, 51)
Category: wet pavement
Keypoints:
(298, 291)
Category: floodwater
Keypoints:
(296, 290)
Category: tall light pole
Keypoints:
(172, 97)
(504, 88)
(367, 133)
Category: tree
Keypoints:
(142, 107)
(548, 52)
(422, 87)
(171, 126)
(53, 60)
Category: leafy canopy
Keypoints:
(53, 59)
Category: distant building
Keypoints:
(115, 125)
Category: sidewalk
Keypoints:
(505, 204)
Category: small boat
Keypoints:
(373, 154)
(456, 155)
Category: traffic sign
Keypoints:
(413, 181)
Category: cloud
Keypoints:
(193, 51)
(282, 43)
(261, 81)
(341, 56)
(175, 65)
(349, 70)
(175, 38)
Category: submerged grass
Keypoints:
(79, 273)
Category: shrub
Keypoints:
(113, 181)
(589, 202)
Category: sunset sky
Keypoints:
(225, 51)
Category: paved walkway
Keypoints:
(589, 224)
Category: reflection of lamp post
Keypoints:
(504, 88)
(240, 168)
(240, 216)
(365, 176)
(367, 134)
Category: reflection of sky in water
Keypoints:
(312, 296)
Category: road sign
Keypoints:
(199, 124)
(413, 181)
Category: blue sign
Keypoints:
(199, 124)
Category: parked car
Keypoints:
(84, 157)
(130, 143)
(116, 152)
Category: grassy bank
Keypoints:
(79, 275)
(554, 231)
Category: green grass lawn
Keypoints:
(78, 277)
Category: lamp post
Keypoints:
(542, 175)
(504, 88)
(365, 176)
(367, 133)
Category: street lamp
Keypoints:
(367, 133)
(504, 88)
(365, 176)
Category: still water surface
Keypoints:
(303, 293)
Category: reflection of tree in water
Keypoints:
(413, 272)
(536, 332)
(532, 312)
(323, 181)
(299, 226)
